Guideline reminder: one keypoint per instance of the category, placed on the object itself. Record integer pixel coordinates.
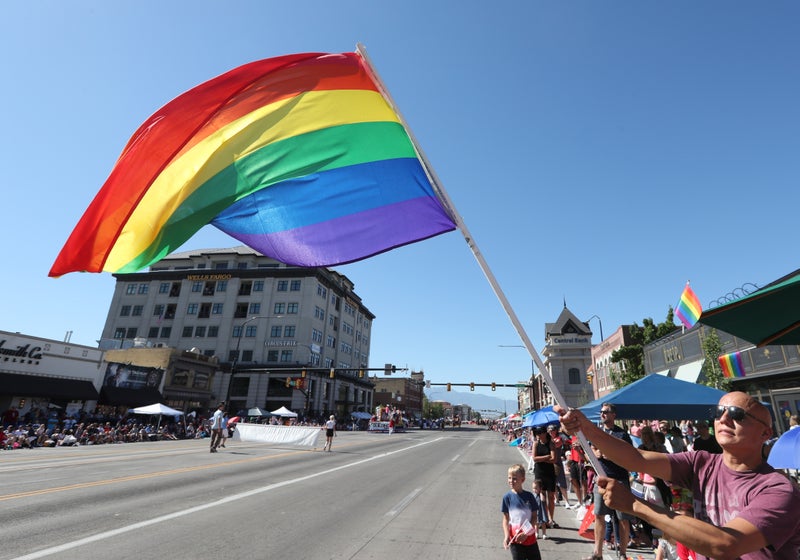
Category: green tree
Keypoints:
(712, 372)
(431, 410)
(628, 361)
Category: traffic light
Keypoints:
(333, 371)
(471, 386)
(288, 382)
(494, 386)
(448, 386)
(389, 369)
(589, 377)
(361, 373)
(303, 373)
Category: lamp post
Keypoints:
(599, 322)
(238, 345)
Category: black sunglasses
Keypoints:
(736, 413)
(609, 411)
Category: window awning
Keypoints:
(120, 396)
(689, 372)
(51, 387)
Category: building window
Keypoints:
(199, 332)
(279, 308)
(316, 336)
(295, 286)
(319, 313)
(187, 332)
(216, 309)
(175, 289)
(574, 376)
(131, 332)
(158, 310)
(255, 308)
(291, 308)
(250, 331)
(286, 356)
(163, 288)
(245, 288)
(153, 332)
(219, 265)
(272, 356)
(322, 291)
(241, 265)
(205, 311)
(125, 311)
(208, 288)
(241, 311)
(232, 356)
(330, 342)
(130, 289)
(143, 289)
(222, 285)
(247, 355)
(197, 287)
(137, 310)
(191, 309)
(237, 331)
(258, 285)
(119, 333)
(275, 331)
(166, 332)
(213, 332)
(170, 313)
(283, 285)
(288, 331)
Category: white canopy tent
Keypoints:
(284, 412)
(156, 409)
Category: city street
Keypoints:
(422, 494)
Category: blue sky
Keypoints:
(601, 153)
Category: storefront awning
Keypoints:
(689, 372)
(119, 396)
(61, 388)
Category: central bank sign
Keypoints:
(573, 340)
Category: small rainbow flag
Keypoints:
(688, 309)
(732, 365)
(300, 157)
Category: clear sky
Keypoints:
(601, 153)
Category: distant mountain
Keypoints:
(479, 402)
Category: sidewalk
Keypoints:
(564, 543)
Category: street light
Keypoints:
(600, 322)
(238, 345)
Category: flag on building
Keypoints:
(300, 157)
(732, 365)
(688, 308)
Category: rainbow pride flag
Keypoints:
(688, 308)
(300, 157)
(732, 365)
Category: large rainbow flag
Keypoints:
(300, 157)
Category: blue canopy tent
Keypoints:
(657, 397)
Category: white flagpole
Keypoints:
(448, 203)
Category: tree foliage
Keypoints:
(629, 360)
(712, 372)
(431, 410)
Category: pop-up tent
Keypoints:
(284, 412)
(156, 409)
(657, 397)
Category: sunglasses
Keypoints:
(735, 413)
(606, 412)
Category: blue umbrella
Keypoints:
(541, 417)
(785, 453)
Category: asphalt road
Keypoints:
(422, 494)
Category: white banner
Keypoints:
(267, 433)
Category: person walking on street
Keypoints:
(743, 507)
(519, 518)
(216, 427)
(330, 432)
